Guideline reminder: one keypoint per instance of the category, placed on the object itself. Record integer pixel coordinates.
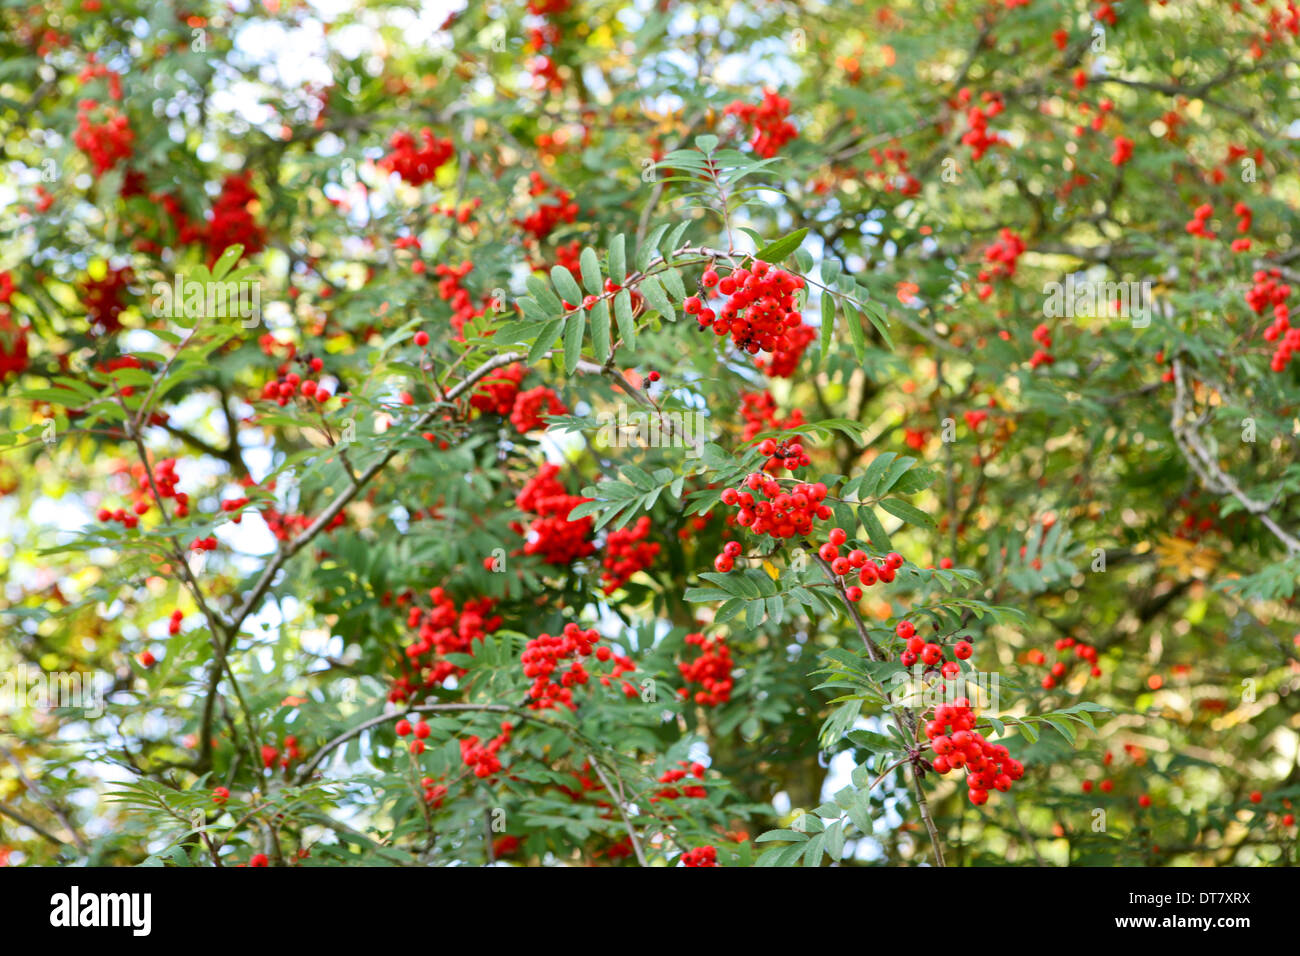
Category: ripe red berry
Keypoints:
(962, 650)
(403, 727)
(905, 629)
(837, 537)
(422, 338)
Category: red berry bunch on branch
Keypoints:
(416, 165)
(930, 653)
(759, 312)
(544, 654)
(104, 134)
(551, 535)
(1267, 291)
(768, 119)
(482, 757)
(869, 570)
(442, 629)
(711, 671)
(626, 552)
(780, 513)
(700, 856)
(958, 744)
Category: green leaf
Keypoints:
(565, 285)
(782, 247)
(545, 297)
(623, 313)
(646, 254)
(600, 330)
(616, 259)
(654, 294)
(591, 277)
(856, 334)
(828, 324)
(227, 261)
(573, 330)
(909, 513)
(546, 339)
(877, 316)
(871, 477)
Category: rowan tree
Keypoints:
(661, 433)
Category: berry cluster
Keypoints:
(788, 353)
(1122, 151)
(772, 129)
(869, 570)
(700, 856)
(788, 453)
(533, 407)
(1196, 225)
(434, 792)
(271, 754)
(551, 534)
(711, 671)
(930, 653)
(988, 766)
(682, 771)
(450, 290)
(174, 622)
(785, 514)
(496, 394)
(546, 217)
(288, 384)
(442, 629)
(978, 137)
(1266, 290)
(759, 313)
(542, 657)
(482, 758)
(104, 300)
(1000, 258)
(1043, 337)
(1059, 669)
(626, 552)
(232, 221)
(13, 337)
(759, 412)
(416, 165)
(104, 135)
